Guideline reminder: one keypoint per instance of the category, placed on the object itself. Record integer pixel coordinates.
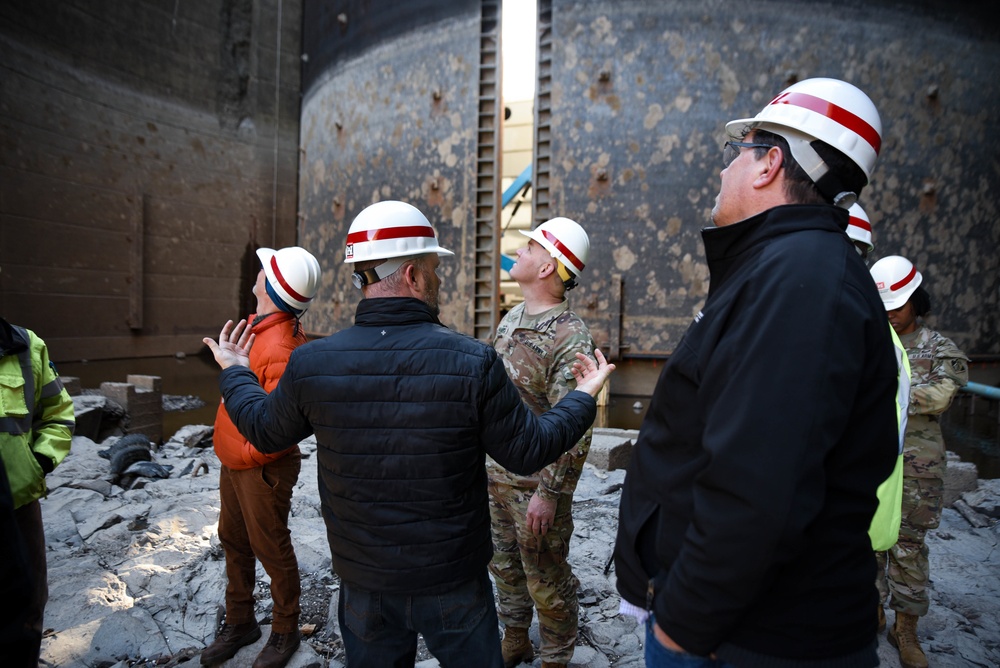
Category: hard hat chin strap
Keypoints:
(376, 274)
(563, 271)
(568, 279)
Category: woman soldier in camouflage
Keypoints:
(938, 370)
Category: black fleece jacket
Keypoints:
(404, 411)
(746, 505)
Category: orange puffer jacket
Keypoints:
(274, 341)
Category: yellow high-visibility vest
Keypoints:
(884, 529)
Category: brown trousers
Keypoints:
(253, 524)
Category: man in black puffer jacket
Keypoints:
(404, 411)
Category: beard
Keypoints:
(432, 304)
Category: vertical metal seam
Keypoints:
(542, 152)
(277, 118)
(487, 259)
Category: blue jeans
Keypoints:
(658, 656)
(460, 627)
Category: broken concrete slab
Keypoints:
(611, 449)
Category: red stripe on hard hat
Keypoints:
(909, 277)
(860, 222)
(390, 233)
(283, 283)
(833, 112)
(574, 260)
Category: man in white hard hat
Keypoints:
(859, 230)
(405, 411)
(743, 528)
(531, 515)
(255, 489)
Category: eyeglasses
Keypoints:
(731, 149)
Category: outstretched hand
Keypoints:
(590, 375)
(234, 345)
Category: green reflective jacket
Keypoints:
(36, 412)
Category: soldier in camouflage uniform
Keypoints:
(532, 515)
(938, 370)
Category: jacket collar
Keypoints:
(261, 322)
(540, 322)
(11, 341)
(724, 246)
(373, 312)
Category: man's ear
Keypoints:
(770, 166)
(547, 269)
(411, 277)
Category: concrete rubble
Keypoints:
(136, 575)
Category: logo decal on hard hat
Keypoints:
(350, 250)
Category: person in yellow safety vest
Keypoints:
(36, 431)
(884, 529)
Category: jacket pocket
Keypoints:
(12, 402)
(635, 551)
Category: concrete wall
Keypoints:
(641, 91)
(392, 119)
(148, 147)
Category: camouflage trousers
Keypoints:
(904, 570)
(532, 571)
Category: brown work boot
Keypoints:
(516, 647)
(903, 636)
(881, 618)
(278, 650)
(550, 664)
(229, 641)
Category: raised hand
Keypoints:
(234, 345)
(591, 375)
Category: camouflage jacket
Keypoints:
(538, 352)
(937, 370)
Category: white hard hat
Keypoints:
(292, 276)
(830, 110)
(566, 241)
(390, 229)
(859, 228)
(896, 278)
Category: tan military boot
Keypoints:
(903, 636)
(881, 618)
(516, 647)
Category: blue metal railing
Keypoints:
(981, 390)
(521, 183)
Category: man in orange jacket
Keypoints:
(255, 489)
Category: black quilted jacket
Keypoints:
(404, 411)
